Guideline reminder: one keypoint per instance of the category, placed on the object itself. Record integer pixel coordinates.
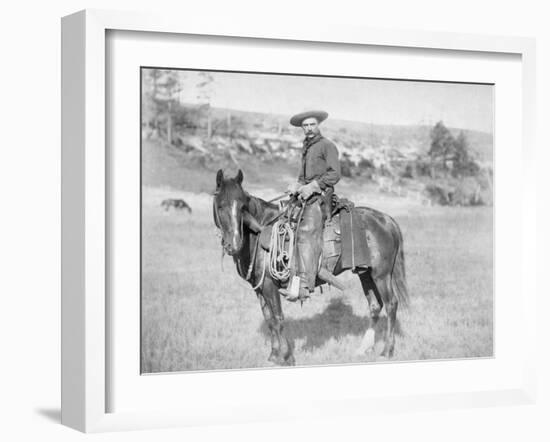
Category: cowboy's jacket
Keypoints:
(319, 162)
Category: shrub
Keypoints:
(464, 192)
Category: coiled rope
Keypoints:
(281, 252)
(280, 258)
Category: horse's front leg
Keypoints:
(270, 302)
(270, 321)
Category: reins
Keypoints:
(277, 198)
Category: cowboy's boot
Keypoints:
(296, 290)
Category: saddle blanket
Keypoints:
(355, 250)
(345, 241)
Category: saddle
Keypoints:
(344, 240)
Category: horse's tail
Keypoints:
(398, 277)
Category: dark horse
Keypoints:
(383, 284)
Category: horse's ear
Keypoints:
(219, 178)
(239, 176)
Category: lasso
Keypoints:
(281, 252)
(280, 258)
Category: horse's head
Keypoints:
(229, 204)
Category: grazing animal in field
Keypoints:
(177, 204)
(236, 212)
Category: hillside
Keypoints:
(401, 137)
(168, 166)
(268, 150)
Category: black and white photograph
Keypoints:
(301, 220)
(230, 221)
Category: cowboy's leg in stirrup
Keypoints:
(310, 247)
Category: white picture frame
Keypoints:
(85, 307)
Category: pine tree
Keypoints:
(160, 94)
(461, 156)
(203, 96)
(442, 145)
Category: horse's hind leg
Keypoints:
(391, 303)
(375, 305)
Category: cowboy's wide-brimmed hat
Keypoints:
(297, 119)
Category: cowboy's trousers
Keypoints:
(310, 244)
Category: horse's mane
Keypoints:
(259, 208)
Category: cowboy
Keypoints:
(319, 172)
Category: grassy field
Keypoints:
(196, 317)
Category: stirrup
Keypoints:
(302, 295)
(295, 290)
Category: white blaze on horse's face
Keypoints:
(231, 223)
(236, 227)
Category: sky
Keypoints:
(465, 106)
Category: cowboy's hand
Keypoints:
(309, 189)
(293, 188)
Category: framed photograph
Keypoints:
(268, 222)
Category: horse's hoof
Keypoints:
(279, 360)
(367, 344)
(362, 351)
(290, 361)
(387, 353)
(369, 352)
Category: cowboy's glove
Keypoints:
(293, 188)
(309, 189)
